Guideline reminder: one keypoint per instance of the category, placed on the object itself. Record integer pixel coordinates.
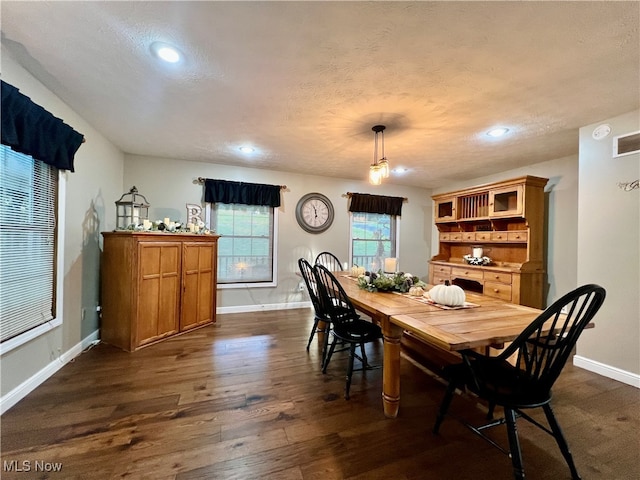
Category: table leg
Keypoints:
(323, 339)
(391, 369)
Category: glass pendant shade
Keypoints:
(379, 169)
(375, 174)
(384, 167)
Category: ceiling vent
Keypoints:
(626, 144)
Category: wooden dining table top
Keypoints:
(486, 321)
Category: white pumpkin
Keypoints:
(356, 271)
(447, 294)
(416, 291)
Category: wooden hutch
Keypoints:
(506, 220)
(156, 285)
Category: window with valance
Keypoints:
(244, 214)
(374, 226)
(36, 145)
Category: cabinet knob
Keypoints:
(496, 290)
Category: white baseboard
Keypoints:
(29, 385)
(608, 371)
(263, 308)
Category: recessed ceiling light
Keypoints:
(166, 52)
(400, 170)
(247, 149)
(497, 132)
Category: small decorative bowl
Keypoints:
(481, 261)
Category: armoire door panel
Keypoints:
(159, 290)
(197, 295)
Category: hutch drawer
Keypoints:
(497, 277)
(498, 236)
(517, 236)
(440, 279)
(497, 290)
(442, 270)
(470, 273)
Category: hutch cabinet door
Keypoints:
(199, 284)
(445, 210)
(506, 202)
(159, 290)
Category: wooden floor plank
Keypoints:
(244, 399)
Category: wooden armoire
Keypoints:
(156, 285)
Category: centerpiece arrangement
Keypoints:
(388, 282)
(471, 260)
(168, 226)
(477, 257)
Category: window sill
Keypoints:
(230, 286)
(23, 338)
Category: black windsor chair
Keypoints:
(330, 261)
(526, 382)
(306, 269)
(347, 326)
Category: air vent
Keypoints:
(626, 144)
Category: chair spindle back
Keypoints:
(545, 345)
(335, 302)
(330, 261)
(306, 269)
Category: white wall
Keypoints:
(609, 251)
(169, 185)
(90, 191)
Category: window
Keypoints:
(28, 246)
(246, 246)
(373, 238)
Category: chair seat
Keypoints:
(502, 384)
(357, 331)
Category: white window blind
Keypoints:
(28, 192)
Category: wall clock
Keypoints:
(314, 213)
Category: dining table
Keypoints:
(480, 323)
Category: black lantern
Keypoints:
(131, 210)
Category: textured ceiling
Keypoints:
(304, 82)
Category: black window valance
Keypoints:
(227, 191)
(28, 128)
(363, 202)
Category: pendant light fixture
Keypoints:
(379, 169)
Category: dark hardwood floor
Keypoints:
(243, 400)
